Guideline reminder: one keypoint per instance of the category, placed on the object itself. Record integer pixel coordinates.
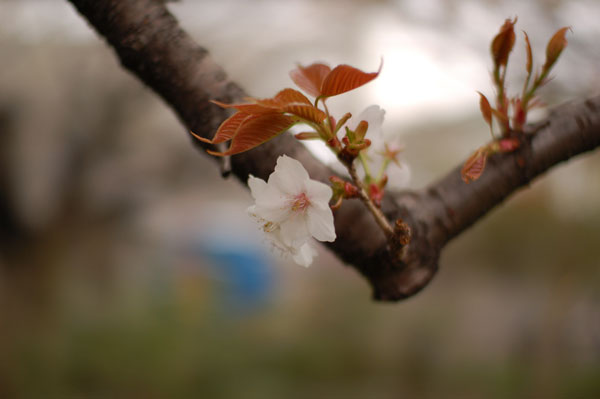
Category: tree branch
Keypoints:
(151, 45)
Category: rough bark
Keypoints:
(150, 44)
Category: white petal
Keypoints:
(289, 176)
(374, 116)
(320, 224)
(270, 202)
(398, 176)
(274, 236)
(304, 256)
(257, 186)
(318, 193)
(272, 205)
(294, 230)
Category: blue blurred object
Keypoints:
(245, 272)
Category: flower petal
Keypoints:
(398, 175)
(272, 205)
(373, 114)
(320, 224)
(257, 186)
(304, 256)
(318, 193)
(289, 176)
(294, 230)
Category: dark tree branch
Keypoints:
(152, 46)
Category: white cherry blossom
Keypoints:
(293, 208)
(398, 174)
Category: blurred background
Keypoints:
(129, 268)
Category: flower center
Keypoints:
(300, 202)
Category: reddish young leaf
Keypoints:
(294, 102)
(307, 136)
(228, 128)
(556, 45)
(486, 108)
(529, 65)
(291, 96)
(257, 107)
(503, 43)
(344, 78)
(255, 131)
(310, 79)
(333, 123)
(474, 166)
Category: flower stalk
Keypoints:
(378, 215)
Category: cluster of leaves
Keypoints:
(260, 120)
(257, 121)
(510, 113)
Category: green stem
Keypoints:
(365, 165)
(380, 218)
(536, 84)
(384, 166)
(331, 134)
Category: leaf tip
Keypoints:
(202, 139)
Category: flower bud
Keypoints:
(508, 145)
(307, 136)
(361, 130)
(376, 194)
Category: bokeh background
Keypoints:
(128, 267)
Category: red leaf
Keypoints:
(556, 45)
(474, 166)
(228, 128)
(294, 102)
(486, 109)
(310, 79)
(344, 78)
(307, 136)
(291, 96)
(256, 130)
(254, 108)
(503, 43)
(529, 66)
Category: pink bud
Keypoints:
(509, 145)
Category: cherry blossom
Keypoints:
(292, 208)
(382, 147)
